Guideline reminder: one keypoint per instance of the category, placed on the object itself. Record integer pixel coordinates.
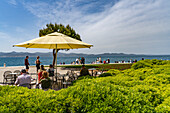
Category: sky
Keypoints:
(111, 26)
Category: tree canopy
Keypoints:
(67, 30)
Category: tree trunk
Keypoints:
(54, 56)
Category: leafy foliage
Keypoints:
(146, 89)
(105, 74)
(149, 63)
(111, 72)
(101, 67)
(67, 30)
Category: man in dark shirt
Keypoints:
(84, 71)
(27, 63)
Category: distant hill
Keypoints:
(49, 54)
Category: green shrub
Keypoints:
(85, 77)
(134, 90)
(149, 63)
(164, 107)
(114, 72)
(105, 74)
(141, 64)
(89, 97)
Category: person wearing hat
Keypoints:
(24, 79)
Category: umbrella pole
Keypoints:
(56, 59)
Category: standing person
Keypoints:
(108, 60)
(77, 60)
(100, 59)
(83, 60)
(27, 63)
(97, 60)
(131, 61)
(37, 62)
(23, 80)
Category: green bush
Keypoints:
(149, 63)
(141, 64)
(111, 72)
(114, 71)
(146, 89)
(105, 74)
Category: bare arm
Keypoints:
(17, 82)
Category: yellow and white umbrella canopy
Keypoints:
(54, 41)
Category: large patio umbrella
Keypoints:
(54, 41)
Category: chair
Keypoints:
(61, 79)
(71, 75)
(98, 72)
(8, 77)
(55, 77)
(67, 83)
(75, 76)
(18, 72)
(34, 76)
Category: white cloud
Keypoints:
(129, 26)
(132, 28)
(13, 2)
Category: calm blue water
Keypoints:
(19, 61)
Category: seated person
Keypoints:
(23, 80)
(51, 70)
(45, 81)
(84, 71)
(40, 73)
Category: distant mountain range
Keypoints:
(49, 54)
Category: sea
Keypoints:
(19, 61)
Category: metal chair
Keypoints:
(75, 76)
(18, 72)
(8, 77)
(97, 73)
